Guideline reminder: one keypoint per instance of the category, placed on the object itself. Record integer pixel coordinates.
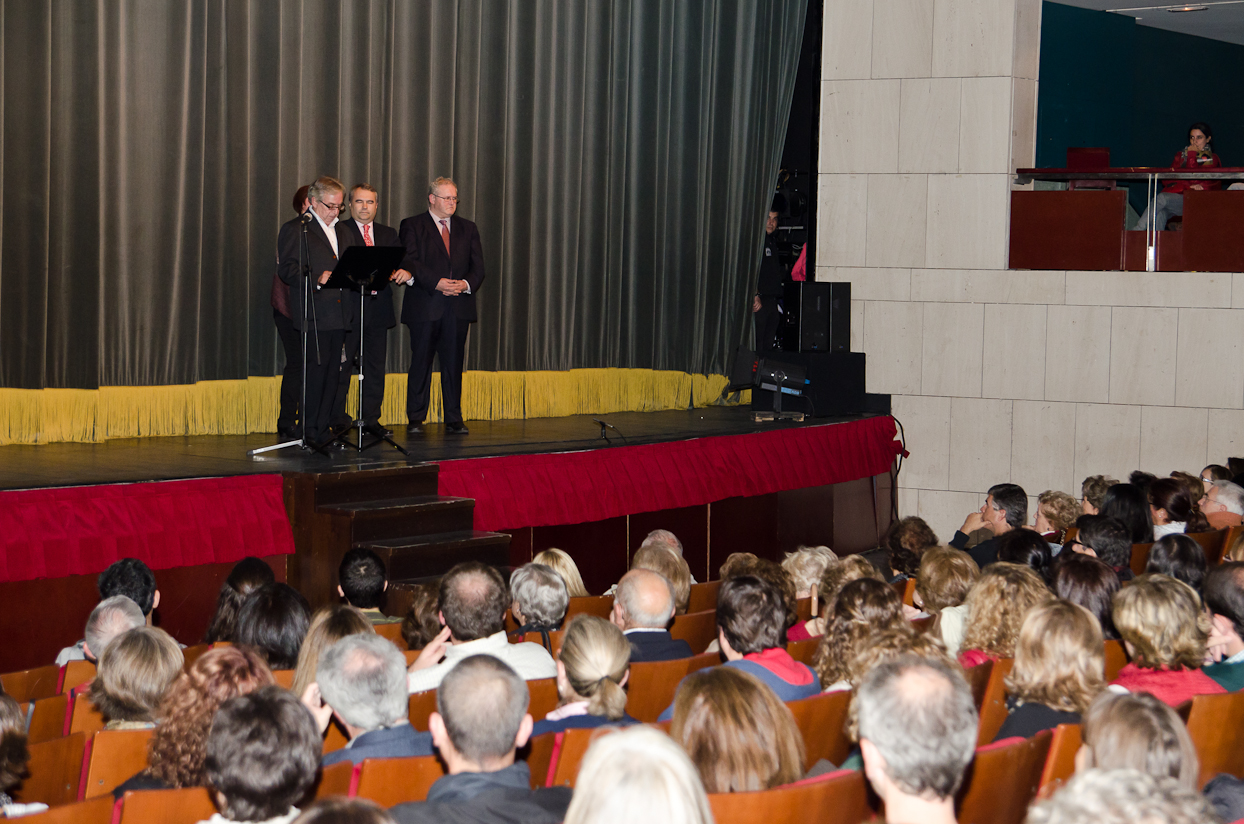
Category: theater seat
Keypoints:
(651, 687)
(116, 756)
(389, 781)
(569, 747)
(31, 684)
(978, 679)
(95, 811)
(555, 640)
(822, 720)
(993, 710)
(698, 629)
(1060, 763)
(54, 772)
(185, 806)
(83, 717)
(598, 605)
(1214, 724)
(392, 632)
(837, 798)
(421, 705)
(47, 719)
(704, 596)
(1116, 659)
(1003, 780)
(75, 674)
(1140, 557)
(802, 651)
(539, 756)
(337, 779)
(544, 698)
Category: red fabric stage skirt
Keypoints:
(578, 487)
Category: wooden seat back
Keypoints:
(803, 608)
(1071, 534)
(47, 719)
(284, 678)
(993, 710)
(708, 659)
(1214, 722)
(598, 605)
(1213, 543)
(651, 687)
(95, 811)
(393, 632)
(837, 798)
(978, 679)
(822, 720)
(909, 592)
(411, 655)
(334, 737)
(539, 756)
(193, 653)
(336, 779)
(544, 698)
(31, 684)
(421, 705)
(389, 781)
(116, 756)
(698, 629)
(53, 771)
(1116, 659)
(555, 640)
(83, 717)
(568, 754)
(802, 651)
(1140, 557)
(1003, 780)
(1060, 763)
(704, 596)
(185, 806)
(75, 674)
(923, 625)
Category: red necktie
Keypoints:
(445, 234)
(367, 235)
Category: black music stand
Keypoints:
(365, 269)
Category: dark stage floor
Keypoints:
(157, 459)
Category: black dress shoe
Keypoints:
(456, 429)
(377, 430)
(414, 429)
(289, 432)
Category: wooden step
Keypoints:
(389, 481)
(427, 556)
(403, 518)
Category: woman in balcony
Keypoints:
(1196, 155)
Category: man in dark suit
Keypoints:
(331, 314)
(378, 317)
(643, 607)
(443, 268)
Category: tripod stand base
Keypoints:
(359, 427)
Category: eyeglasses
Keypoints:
(336, 207)
(446, 199)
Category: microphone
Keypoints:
(306, 217)
(604, 424)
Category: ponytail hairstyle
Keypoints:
(597, 656)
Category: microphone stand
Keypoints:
(359, 424)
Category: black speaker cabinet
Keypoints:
(817, 317)
(835, 387)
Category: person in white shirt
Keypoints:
(472, 604)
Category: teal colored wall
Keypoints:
(1106, 81)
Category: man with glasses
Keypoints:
(443, 268)
(330, 314)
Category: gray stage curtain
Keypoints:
(617, 156)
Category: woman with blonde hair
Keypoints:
(997, 605)
(739, 736)
(179, 744)
(1059, 669)
(863, 607)
(1056, 513)
(592, 668)
(946, 576)
(806, 565)
(1137, 732)
(328, 626)
(638, 774)
(136, 669)
(1165, 631)
(838, 573)
(564, 566)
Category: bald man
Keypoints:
(643, 607)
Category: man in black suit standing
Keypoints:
(444, 268)
(330, 314)
(378, 317)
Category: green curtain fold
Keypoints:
(617, 156)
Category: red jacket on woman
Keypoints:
(1188, 159)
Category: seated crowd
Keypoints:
(897, 631)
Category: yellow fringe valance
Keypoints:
(239, 407)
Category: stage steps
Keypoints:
(395, 511)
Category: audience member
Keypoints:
(176, 754)
(14, 756)
(1224, 600)
(1194, 486)
(638, 774)
(1179, 557)
(328, 626)
(999, 602)
(838, 573)
(1091, 583)
(736, 564)
(1029, 548)
(247, 575)
(472, 601)
(421, 625)
(1056, 513)
(751, 631)
(361, 681)
(481, 719)
(363, 581)
(1223, 505)
(111, 617)
(1142, 481)
(1214, 472)
(564, 566)
(1129, 505)
(942, 585)
(1173, 509)
(1137, 732)
(1165, 631)
(665, 562)
(274, 620)
(1121, 797)
(771, 572)
(1005, 508)
(1059, 670)
(664, 539)
(1105, 537)
(1093, 492)
(917, 730)
(338, 810)
(135, 671)
(906, 540)
(643, 607)
(862, 608)
(129, 577)
(888, 644)
(805, 566)
(592, 668)
(539, 600)
(739, 736)
(263, 754)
